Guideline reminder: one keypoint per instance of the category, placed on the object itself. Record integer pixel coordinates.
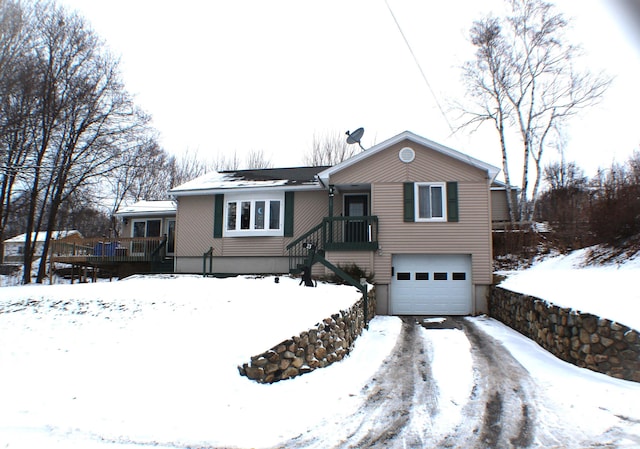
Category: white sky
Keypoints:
(220, 77)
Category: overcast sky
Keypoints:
(254, 75)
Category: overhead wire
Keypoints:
(415, 59)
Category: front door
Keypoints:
(356, 206)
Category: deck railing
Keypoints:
(120, 249)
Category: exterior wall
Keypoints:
(364, 259)
(429, 165)
(382, 299)
(499, 208)
(194, 236)
(127, 227)
(470, 235)
(385, 174)
(194, 227)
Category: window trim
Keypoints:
(146, 226)
(252, 198)
(443, 190)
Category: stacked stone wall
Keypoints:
(583, 339)
(329, 341)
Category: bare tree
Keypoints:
(256, 159)
(187, 166)
(329, 149)
(68, 119)
(524, 82)
(227, 162)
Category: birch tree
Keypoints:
(524, 81)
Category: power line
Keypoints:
(415, 59)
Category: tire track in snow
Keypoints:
(499, 413)
(400, 409)
(401, 386)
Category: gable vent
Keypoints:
(407, 155)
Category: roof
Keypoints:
(42, 235)
(147, 208)
(304, 178)
(292, 178)
(492, 171)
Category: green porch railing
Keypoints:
(335, 234)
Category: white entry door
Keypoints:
(431, 284)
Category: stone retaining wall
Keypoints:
(327, 342)
(583, 339)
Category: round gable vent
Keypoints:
(407, 155)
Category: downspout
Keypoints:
(332, 192)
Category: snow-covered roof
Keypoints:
(147, 208)
(42, 235)
(284, 178)
(408, 135)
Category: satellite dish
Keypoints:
(354, 137)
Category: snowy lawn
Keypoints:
(155, 360)
(152, 361)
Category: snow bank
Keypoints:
(608, 291)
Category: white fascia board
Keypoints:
(491, 170)
(197, 192)
(165, 213)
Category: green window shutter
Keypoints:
(218, 213)
(452, 201)
(409, 202)
(288, 214)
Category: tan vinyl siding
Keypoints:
(499, 207)
(195, 221)
(310, 207)
(429, 165)
(253, 246)
(471, 235)
(364, 259)
(194, 226)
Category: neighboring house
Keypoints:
(414, 213)
(150, 219)
(14, 247)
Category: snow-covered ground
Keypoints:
(152, 361)
(609, 291)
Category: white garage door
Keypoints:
(429, 284)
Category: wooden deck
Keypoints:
(116, 256)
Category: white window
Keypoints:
(430, 202)
(254, 215)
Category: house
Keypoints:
(414, 213)
(14, 247)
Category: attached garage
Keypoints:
(431, 284)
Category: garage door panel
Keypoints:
(431, 284)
